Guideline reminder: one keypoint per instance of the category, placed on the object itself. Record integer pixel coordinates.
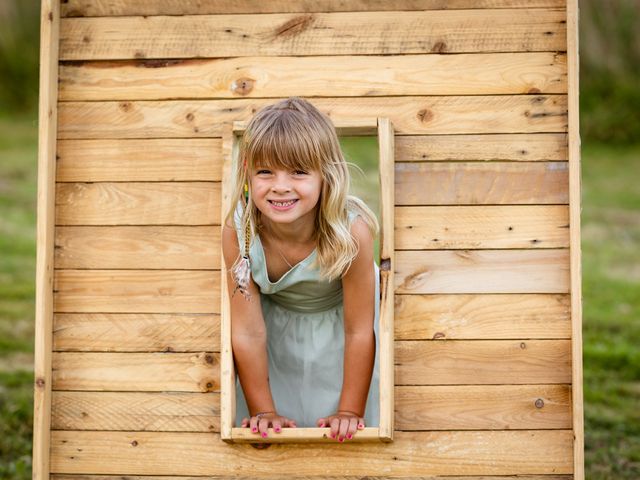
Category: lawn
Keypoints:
(611, 302)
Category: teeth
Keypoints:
(282, 204)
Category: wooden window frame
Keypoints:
(383, 129)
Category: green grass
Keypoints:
(18, 181)
(611, 303)
(611, 309)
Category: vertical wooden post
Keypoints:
(47, 133)
(386, 147)
(573, 105)
(227, 370)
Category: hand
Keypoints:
(343, 424)
(260, 423)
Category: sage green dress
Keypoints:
(305, 340)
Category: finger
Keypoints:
(245, 422)
(263, 427)
(321, 422)
(253, 423)
(344, 425)
(292, 423)
(335, 424)
(277, 425)
(361, 423)
(353, 425)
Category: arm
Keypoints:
(248, 335)
(359, 310)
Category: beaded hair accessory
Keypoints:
(241, 271)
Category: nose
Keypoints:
(281, 183)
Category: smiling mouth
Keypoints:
(283, 204)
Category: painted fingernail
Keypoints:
(277, 429)
(361, 425)
(341, 439)
(264, 434)
(254, 429)
(349, 436)
(333, 435)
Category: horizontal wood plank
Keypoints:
(325, 76)
(440, 453)
(482, 362)
(529, 147)
(482, 271)
(433, 115)
(485, 316)
(460, 362)
(136, 291)
(138, 247)
(136, 332)
(474, 183)
(138, 372)
(138, 203)
(486, 226)
(469, 407)
(302, 34)
(93, 8)
(133, 160)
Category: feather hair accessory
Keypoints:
(241, 271)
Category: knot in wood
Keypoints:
(425, 115)
(439, 47)
(242, 86)
(539, 403)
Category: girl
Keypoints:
(303, 284)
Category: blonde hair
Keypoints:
(293, 134)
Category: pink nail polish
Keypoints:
(264, 434)
(341, 439)
(254, 429)
(349, 436)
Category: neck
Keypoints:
(298, 232)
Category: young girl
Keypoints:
(303, 284)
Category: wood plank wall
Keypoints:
(477, 93)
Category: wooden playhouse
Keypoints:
(475, 106)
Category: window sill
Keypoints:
(303, 435)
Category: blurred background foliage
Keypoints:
(609, 65)
(610, 128)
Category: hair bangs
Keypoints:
(284, 144)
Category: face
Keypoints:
(286, 196)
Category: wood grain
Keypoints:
(388, 32)
(316, 76)
(439, 453)
(410, 115)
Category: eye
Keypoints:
(263, 170)
(299, 172)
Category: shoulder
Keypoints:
(360, 230)
(364, 256)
